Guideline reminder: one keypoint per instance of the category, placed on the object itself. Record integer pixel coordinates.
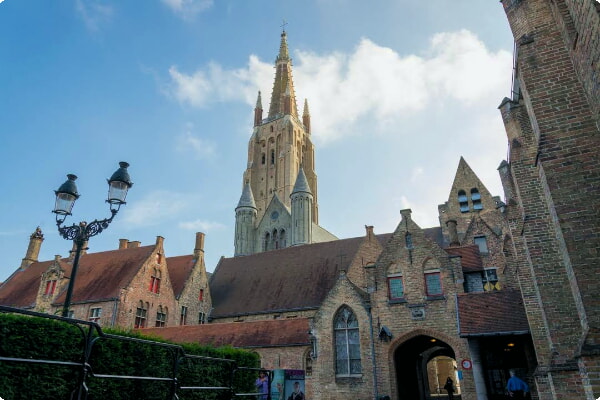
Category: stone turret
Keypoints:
(33, 250)
(245, 221)
(302, 206)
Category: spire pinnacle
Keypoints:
(284, 54)
(305, 112)
(259, 102)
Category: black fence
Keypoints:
(87, 368)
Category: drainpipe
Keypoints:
(375, 390)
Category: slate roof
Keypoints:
(268, 333)
(491, 313)
(470, 257)
(293, 278)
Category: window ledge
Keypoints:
(349, 379)
(397, 301)
(436, 297)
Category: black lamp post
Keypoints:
(118, 185)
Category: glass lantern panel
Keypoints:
(64, 203)
(117, 192)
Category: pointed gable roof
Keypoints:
(21, 288)
(464, 174)
(289, 279)
(301, 184)
(180, 268)
(269, 333)
(246, 199)
(283, 82)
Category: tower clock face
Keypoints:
(274, 215)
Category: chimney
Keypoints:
(199, 248)
(33, 250)
(406, 214)
(134, 244)
(123, 244)
(369, 229)
(84, 248)
(57, 258)
(452, 233)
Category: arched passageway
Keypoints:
(422, 364)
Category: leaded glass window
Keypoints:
(347, 343)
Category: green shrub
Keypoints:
(117, 352)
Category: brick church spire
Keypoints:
(283, 97)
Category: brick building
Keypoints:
(133, 286)
(498, 285)
(552, 188)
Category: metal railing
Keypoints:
(88, 368)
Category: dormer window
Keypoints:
(463, 202)
(154, 286)
(476, 199)
(50, 287)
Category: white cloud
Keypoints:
(213, 84)
(372, 81)
(187, 9)
(93, 13)
(189, 142)
(201, 226)
(154, 208)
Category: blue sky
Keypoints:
(398, 90)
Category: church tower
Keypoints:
(281, 142)
(278, 207)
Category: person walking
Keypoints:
(516, 387)
(262, 385)
(449, 386)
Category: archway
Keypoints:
(421, 362)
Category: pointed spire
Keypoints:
(259, 102)
(284, 54)
(306, 117)
(283, 97)
(247, 199)
(301, 184)
(258, 111)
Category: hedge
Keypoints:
(112, 353)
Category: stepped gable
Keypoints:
(470, 258)
(293, 278)
(21, 288)
(269, 333)
(180, 268)
(101, 276)
(491, 313)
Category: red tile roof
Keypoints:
(491, 313)
(288, 279)
(268, 333)
(100, 276)
(180, 269)
(21, 288)
(470, 257)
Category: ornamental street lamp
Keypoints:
(118, 185)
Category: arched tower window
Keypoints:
(272, 157)
(347, 343)
(282, 239)
(463, 202)
(263, 158)
(476, 199)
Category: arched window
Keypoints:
(272, 157)
(282, 239)
(275, 239)
(463, 202)
(476, 199)
(266, 241)
(263, 158)
(154, 286)
(347, 343)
